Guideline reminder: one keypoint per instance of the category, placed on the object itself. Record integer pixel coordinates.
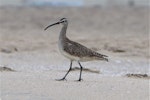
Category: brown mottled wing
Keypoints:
(79, 50)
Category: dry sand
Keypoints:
(35, 62)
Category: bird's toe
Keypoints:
(63, 79)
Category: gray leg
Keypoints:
(80, 71)
(64, 78)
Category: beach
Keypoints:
(30, 60)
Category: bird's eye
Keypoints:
(63, 21)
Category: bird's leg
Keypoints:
(64, 78)
(80, 71)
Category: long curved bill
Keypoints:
(51, 25)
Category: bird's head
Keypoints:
(62, 21)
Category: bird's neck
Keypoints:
(63, 32)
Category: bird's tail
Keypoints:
(106, 59)
(101, 56)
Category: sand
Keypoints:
(42, 86)
(30, 61)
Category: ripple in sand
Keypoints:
(2, 69)
(8, 50)
(138, 76)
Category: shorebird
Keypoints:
(73, 50)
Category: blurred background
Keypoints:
(74, 2)
(30, 60)
(117, 28)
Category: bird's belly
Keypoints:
(76, 58)
(69, 56)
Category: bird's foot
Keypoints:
(61, 79)
(79, 80)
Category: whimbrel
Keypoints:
(73, 50)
